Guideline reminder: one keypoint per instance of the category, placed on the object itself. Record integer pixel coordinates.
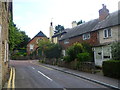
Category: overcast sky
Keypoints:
(33, 16)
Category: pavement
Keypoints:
(97, 78)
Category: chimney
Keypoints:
(51, 31)
(74, 24)
(103, 13)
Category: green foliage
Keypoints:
(59, 28)
(80, 22)
(43, 46)
(82, 57)
(115, 50)
(17, 39)
(88, 49)
(53, 51)
(49, 50)
(82, 52)
(67, 58)
(111, 68)
(74, 50)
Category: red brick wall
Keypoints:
(33, 41)
(92, 41)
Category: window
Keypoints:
(5, 52)
(66, 41)
(0, 31)
(63, 52)
(31, 47)
(107, 33)
(86, 36)
(6, 5)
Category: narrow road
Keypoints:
(29, 75)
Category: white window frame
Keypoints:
(0, 32)
(86, 36)
(66, 41)
(64, 52)
(5, 52)
(31, 47)
(107, 33)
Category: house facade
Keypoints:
(100, 33)
(5, 16)
(33, 43)
(108, 32)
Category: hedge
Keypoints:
(111, 68)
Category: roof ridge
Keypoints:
(40, 34)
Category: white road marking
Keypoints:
(45, 76)
(33, 68)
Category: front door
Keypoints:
(98, 56)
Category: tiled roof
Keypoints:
(40, 34)
(112, 19)
(80, 29)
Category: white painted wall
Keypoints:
(114, 37)
(55, 40)
(101, 54)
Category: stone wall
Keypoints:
(4, 31)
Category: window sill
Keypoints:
(107, 37)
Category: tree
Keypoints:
(54, 51)
(80, 22)
(17, 39)
(49, 50)
(58, 28)
(26, 39)
(43, 45)
(73, 50)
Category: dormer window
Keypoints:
(107, 33)
(86, 36)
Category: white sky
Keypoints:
(33, 16)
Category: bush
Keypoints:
(83, 57)
(88, 48)
(67, 59)
(111, 68)
(72, 51)
(53, 51)
(115, 50)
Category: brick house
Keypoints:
(5, 15)
(99, 33)
(33, 43)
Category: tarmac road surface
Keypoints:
(29, 75)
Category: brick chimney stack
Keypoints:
(103, 13)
